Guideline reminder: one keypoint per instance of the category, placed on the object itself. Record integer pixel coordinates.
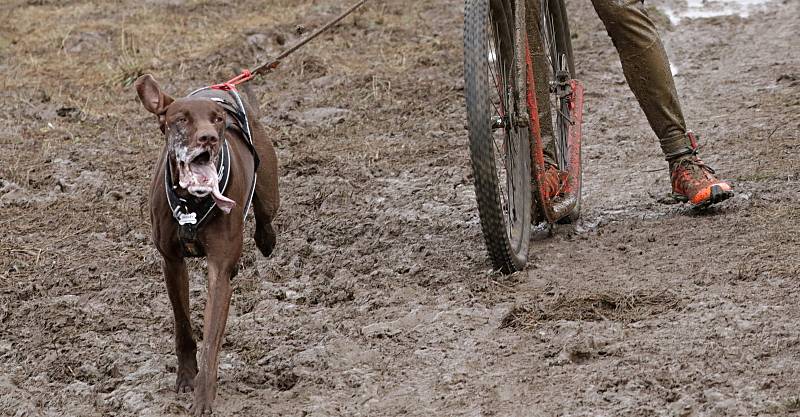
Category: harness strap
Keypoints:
(191, 214)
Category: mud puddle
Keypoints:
(704, 9)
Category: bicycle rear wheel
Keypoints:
(498, 130)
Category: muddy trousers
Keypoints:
(646, 68)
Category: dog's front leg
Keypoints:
(220, 272)
(177, 280)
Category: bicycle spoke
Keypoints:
(546, 29)
(509, 66)
(496, 58)
(500, 77)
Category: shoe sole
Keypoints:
(718, 195)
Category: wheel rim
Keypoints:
(506, 130)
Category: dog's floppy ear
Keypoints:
(153, 99)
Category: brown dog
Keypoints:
(197, 129)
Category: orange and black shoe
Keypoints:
(694, 181)
(555, 181)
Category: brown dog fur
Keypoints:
(221, 235)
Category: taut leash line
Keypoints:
(268, 67)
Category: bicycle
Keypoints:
(520, 91)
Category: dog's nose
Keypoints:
(208, 138)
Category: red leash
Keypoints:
(247, 75)
(231, 84)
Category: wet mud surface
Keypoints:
(379, 299)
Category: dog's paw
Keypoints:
(185, 381)
(204, 395)
(265, 239)
(201, 406)
(201, 409)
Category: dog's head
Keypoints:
(194, 130)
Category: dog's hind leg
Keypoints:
(177, 280)
(266, 201)
(265, 234)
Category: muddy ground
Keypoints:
(380, 300)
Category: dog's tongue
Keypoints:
(205, 176)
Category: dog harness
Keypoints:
(193, 212)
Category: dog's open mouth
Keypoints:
(199, 178)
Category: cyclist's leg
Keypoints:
(541, 69)
(646, 68)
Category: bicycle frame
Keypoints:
(559, 207)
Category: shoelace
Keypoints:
(561, 185)
(693, 160)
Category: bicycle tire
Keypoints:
(506, 228)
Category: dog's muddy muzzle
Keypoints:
(197, 174)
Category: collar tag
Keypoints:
(187, 218)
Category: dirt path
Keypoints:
(380, 299)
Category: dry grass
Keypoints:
(92, 51)
(624, 307)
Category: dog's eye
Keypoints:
(180, 120)
(217, 120)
